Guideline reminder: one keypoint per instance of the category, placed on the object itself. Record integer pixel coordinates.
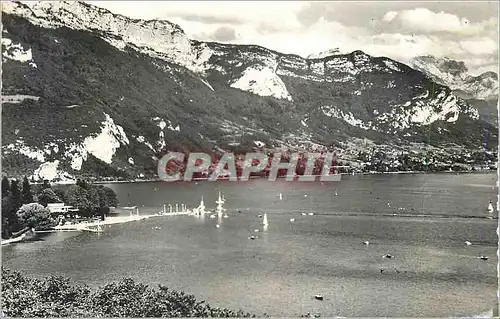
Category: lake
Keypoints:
(433, 273)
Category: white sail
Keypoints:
(265, 222)
(219, 201)
(219, 208)
(201, 208)
(490, 208)
(99, 228)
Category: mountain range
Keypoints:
(90, 93)
(481, 90)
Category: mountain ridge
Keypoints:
(456, 75)
(212, 97)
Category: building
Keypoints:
(60, 208)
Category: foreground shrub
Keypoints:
(56, 297)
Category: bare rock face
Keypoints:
(456, 75)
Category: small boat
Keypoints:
(468, 243)
(225, 216)
(318, 297)
(310, 214)
(129, 207)
(212, 216)
(292, 220)
(281, 196)
(252, 237)
(303, 214)
(482, 257)
(217, 226)
(265, 222)
(389, 256)
(366, 243)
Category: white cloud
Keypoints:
(389, 16)
(244, 12)
(427, 21)
(481, 46)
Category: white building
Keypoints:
(60, 208)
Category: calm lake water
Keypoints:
(433, 273)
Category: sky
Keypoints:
(464, 31)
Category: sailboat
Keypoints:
(281, 196)
(219, 208)
(265, 222)
(200, 210)
(220, 201)
(99, 228)
(491, 209)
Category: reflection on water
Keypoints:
(433, 272)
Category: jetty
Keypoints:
(14, 240)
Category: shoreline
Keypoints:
(17, 239)
(82, 227)
(151, 180)
(111, 220)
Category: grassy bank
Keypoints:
(56, 297)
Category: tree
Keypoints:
(78, 197)
(58, 297)
(26, 196)
(47, 196)
(33, 215)
(16, 195)
(45, 184)
(60, 194)
(5, 187)
(9, 216)
(93, 197)
(107, 197)
(9, 219)
(82, 183)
